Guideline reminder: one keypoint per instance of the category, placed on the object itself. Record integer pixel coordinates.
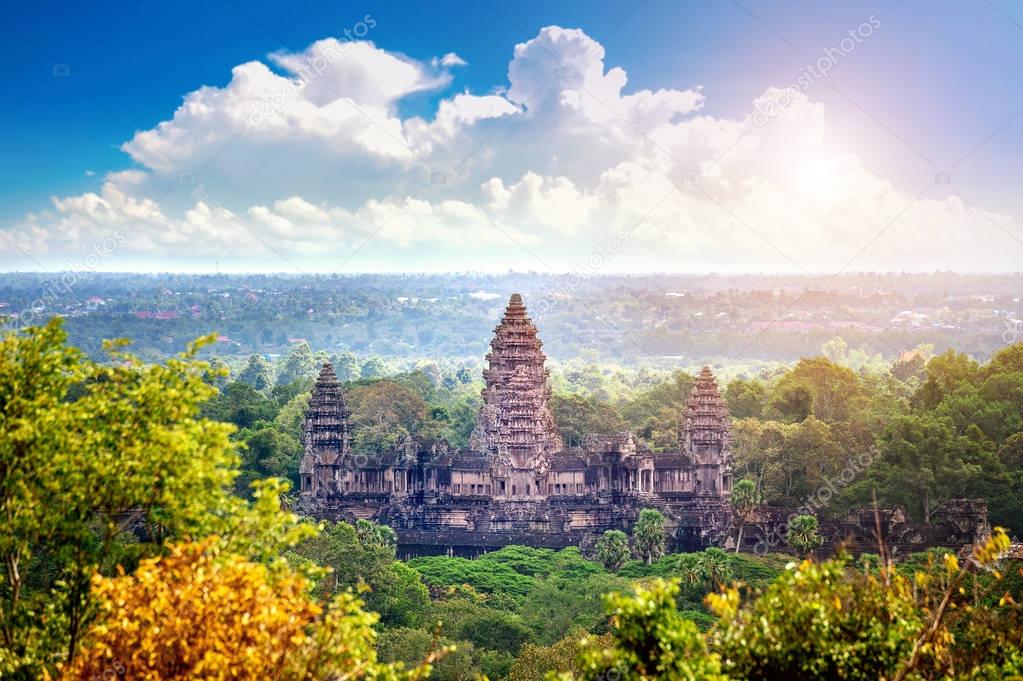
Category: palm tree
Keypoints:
(745, 499)
(689, 569)
(648, 535)
(613, 549)
(371, 534)
(803, 534)
(714, 566)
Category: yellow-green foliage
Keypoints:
(100, 465)
(650, 640)
(819, 621)
(200, 613)
(535, 662)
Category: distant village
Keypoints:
(635, 319)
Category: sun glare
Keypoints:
(819, 177)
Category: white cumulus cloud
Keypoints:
(306, 157)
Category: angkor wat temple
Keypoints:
(517, 483)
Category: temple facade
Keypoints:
(517, 482)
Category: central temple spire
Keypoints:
(515, 428)
(706, 435)
(326, 431)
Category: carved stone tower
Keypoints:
(515, 428)
(326, 433)
(706, 437)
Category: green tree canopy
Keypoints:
(365, 554)
(383, 412)
(578, 416)
(300, 365)
(258, 374)
(745, 398)
(945, 374)
(820, 387)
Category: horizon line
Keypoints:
(508, 273)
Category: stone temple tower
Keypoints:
(326, 433)
(706, 437)
(515, 428)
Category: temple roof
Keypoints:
(469, 462)
(671, 461)
(564, 462)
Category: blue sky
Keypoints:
(933, 88)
